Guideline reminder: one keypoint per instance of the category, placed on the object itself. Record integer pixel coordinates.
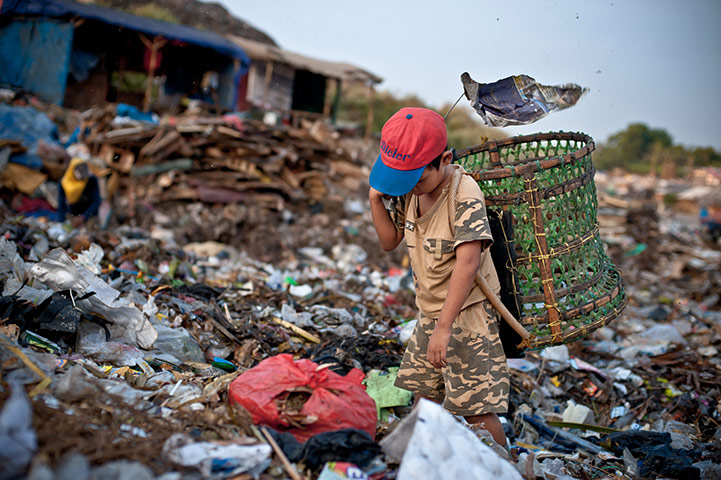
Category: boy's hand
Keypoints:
(374, 194)
(437, 346)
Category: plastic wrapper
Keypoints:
(215, 460)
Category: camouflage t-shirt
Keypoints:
(433, 237)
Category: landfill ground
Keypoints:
(292, 266)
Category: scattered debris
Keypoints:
(232, 244)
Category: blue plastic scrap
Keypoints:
(558, 439)
(28, 126)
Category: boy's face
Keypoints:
(431, 178)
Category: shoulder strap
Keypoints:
(453, 195)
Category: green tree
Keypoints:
(704, 157)
(641, 149)
(631, 149)
(354, 105)
(154, 11)
(464, 126)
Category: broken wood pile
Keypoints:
(221, 159)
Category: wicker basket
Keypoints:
(541, 199)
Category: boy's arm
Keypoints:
(468, 259)
(388, 235)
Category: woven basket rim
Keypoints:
(530, 165)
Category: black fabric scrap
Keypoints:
(664, 461)
(347, 445)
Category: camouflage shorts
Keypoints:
(475, 379)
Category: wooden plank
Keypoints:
(231, 132)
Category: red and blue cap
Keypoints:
(411, 139)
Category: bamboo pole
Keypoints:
(501, 308)
(284, 460)
(268, 77)
(326, 103)
(534, 207)
(154, 46)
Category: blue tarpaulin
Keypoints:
(150, 26)
(42, 67)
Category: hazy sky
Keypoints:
(652, 61)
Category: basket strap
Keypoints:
(480, 281)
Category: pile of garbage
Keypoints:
(128, 351)
(169, 345)
(238, 174)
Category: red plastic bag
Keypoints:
(335, 402)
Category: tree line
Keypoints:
(637, 149)
(642, 149)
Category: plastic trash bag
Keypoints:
(179, 343)
(518, 100)
(298, 397)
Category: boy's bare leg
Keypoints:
(492, 423)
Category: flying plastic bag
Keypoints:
(518, 100)
(273, 393)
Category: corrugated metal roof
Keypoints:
(343, 71)
(151, 26)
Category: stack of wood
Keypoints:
(222, 159)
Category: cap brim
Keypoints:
(391, 181)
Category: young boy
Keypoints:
(455, 355)
(79, 193)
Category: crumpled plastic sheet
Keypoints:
(91, 343)
(13, 271)
(90, 258)
(11, 264)
(431, 444)
(345, 445)
(381, 388)
(215, 460)
(58, 271)
(76, 383)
